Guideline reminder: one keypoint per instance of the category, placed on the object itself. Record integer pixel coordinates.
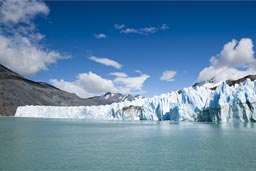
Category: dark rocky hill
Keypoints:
(16, 90)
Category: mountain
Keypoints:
(230, 101)
(16, 90)
(238, 81)
(213, 84)
(109, 97)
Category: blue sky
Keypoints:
(178, 38)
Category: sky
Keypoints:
(146, 48)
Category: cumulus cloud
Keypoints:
(168, 75)
(20, 42)
(100, 36)
(90, 84)
(71, 87)
(119, 26)
(130, 84)
(106, 61)
(235, 54)
(86, 85)
(145, 30)
(234, 61)
(15, 11)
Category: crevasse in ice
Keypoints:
(224, 104)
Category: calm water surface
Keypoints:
(52, 144)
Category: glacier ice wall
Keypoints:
(224, 104)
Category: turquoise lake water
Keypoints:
(54, 144)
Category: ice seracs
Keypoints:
(224, 103)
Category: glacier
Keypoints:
(236, 103)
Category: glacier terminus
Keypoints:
(224, 103)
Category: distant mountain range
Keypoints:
(16, 90)
(115, 98)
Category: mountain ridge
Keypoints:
(212, 85)
(115, 97)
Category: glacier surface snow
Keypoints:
(235, 103)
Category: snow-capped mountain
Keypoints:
(212, 84)
(109, 97)
(227, 102)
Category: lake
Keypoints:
(66, 144)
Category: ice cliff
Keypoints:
(225, 103)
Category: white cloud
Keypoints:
(19, 54)
(145, 30)
(119, 26)
(234, 61)
(223, 73)
(16, 11)
(235, 54)
(106, 61)
(71, 87)
(86, 85)
(90, 84)
(130, 30)
(130, 84)
(100, 36)
(142, 31)
(119, 74)
(168, 75)
(20, 42)
(139, 71)
(149, 30)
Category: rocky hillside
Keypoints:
(16, 90)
